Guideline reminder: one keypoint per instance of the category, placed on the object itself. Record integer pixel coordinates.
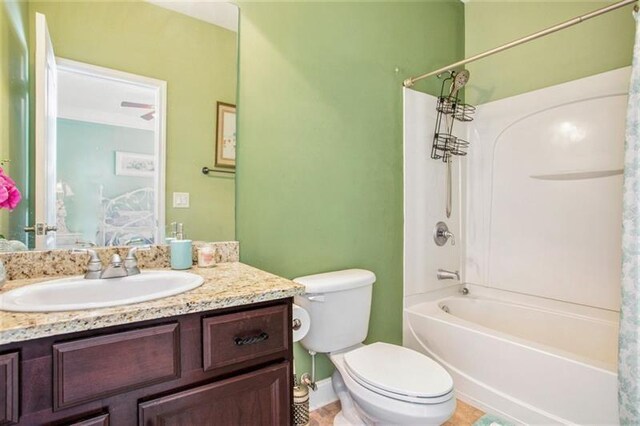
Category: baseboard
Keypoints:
(323, 396)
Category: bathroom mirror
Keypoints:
(111, 116)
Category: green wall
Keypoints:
(319, 183)
(14, 112)
(598, 45)
(198, 61)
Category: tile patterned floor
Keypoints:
(323, 416)
(465, 415)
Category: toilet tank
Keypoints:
(339, 304)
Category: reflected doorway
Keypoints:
(109, 158)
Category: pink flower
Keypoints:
(9, 195)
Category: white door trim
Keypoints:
(45, 69)
(160, 89)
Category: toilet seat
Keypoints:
(399, 373)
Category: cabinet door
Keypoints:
(9, 388)
(99, 420)
(261, 397)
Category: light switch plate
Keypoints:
(181, 200)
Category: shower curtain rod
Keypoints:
(571, 22)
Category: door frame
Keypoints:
(45, 62)
(160, 89)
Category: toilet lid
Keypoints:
(398, 371)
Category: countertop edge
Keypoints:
(110, 320)
(274, 288)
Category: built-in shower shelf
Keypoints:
(578, 175)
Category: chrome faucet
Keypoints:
(131, 261)
(443, 274)
(441, 234)
(115, 268)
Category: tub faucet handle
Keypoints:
(449, 236)
(441, 234)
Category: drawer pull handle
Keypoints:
(250, 340)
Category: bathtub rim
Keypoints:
(537, 308)
(437, 314)
(508, 296)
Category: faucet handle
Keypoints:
(131, 261)
(131, 255)
(441, 234)
(449, 235)
(93, 256)
(94, 267)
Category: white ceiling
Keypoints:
(221, 13)
(97, 100)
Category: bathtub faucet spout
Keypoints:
(443, 274)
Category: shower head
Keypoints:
(459, 80)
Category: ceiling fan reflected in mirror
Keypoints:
(148, 116)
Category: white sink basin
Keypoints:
(69, 294)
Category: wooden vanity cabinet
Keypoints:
(224, 367)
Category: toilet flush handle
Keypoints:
(316, 297)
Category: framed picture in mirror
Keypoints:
(134, 164)
(226, 136)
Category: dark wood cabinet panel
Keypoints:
(9, 388)
(246, 338)
(89, 369)
(98, 377)
(257, 398)
(99, 420)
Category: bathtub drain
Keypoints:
(445, 308)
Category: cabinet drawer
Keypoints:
(246, 338)
(89, 369)
(9, 388)
(261, 397)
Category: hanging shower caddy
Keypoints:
(450, 109)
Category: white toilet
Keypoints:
(378, 383)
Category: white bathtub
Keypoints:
(531, 361)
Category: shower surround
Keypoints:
(538, 216)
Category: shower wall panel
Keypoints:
(425, 200)
(545, 191)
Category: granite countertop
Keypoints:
(226, 285)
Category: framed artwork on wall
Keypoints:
(226, 136)
(134, 164)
